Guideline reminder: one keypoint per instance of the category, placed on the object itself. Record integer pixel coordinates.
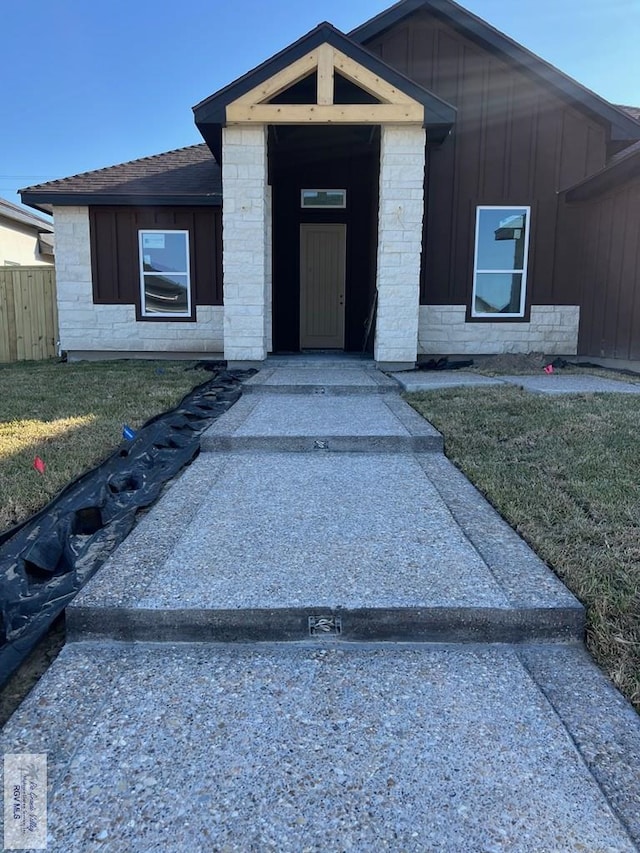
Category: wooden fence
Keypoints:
(28, 313)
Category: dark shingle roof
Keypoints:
(185, 176)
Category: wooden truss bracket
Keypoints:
(394, 107)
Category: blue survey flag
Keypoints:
(128, 433)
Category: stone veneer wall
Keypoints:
(553, 329)
(103, 328)
(401, 209)
(245, 241)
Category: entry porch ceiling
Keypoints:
(322, 142)
(327, 55)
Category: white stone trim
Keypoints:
(400, 215)
(552, 329)
(114, 328)
(245, 254)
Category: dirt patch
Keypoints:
(510, 362)
(521, 364)
(32, 669)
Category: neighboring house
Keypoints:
(424, 165)
(25, 239)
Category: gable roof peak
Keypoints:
(211, 113)
(623, 126)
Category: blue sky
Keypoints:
(93, 84)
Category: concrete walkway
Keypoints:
(322, 638)
(541, 383)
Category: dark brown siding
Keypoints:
(601, 251)
(114, 250)
(515, 143)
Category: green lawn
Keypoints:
(565, 473)
(71, 415)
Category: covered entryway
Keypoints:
(296, 123)
(346, 160)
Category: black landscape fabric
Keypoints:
(46, 560)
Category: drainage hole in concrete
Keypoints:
(321, 626)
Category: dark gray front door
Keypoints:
(322, 286)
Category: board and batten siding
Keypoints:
(601, 248)
(515, 143)
(90, 329)
(28, 313)
(115, 263)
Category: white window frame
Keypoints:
(323, 206)
(523, 290)
(157, 315)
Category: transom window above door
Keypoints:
(323, 198)
(500, 263)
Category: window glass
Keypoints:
(323, 198)
(498, 293)
(502, 245)
(164, 273)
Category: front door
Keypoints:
(322, 286)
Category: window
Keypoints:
(323, 198)
(165, 281)
(500, 264)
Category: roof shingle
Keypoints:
(186, 175)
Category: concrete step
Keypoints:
(304, 422)
(295, 624)
(265, 546)
(312, 747)
(435, 380)
(337, 379)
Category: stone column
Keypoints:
(74, 286)
(400, 215)
(244, 240)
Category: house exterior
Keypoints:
(25, 239)
(601, 224)
(420, 186)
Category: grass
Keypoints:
(565, 473)
(71, 416)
